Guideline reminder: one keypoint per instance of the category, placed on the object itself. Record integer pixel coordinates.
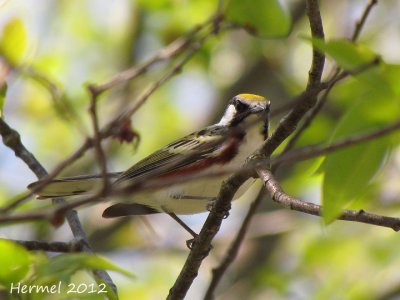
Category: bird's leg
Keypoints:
(189, 243)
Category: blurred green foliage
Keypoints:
(51, 50)
(266, 18)
(13, 41)
(65, 274)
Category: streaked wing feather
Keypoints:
(171, 156)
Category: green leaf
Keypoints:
(13, 41)
(14, 261)
(348, 172)
(3, 92)
(348, 55)
(391, 73)
(347, 175)
(267, 18)
(155, 4)
(64, 266)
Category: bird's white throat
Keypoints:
(228, 116)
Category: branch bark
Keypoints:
(287, 125)
(202, 243)
(73, 246)
(279, 196)
(233, 249)
(311, 152)
(336, 75)
(11, 139)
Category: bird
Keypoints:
(218, 149)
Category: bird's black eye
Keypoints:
(240, 106)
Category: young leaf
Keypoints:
(3, 92)
(350, 56)
(13, 41)
(348, 172)
(67, 264)
(266, 18)
(14, 262)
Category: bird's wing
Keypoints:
(181, 154)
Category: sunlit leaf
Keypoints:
(13, 41)
(347, 54)
(155, 4)
(14, 262)
(391, 73)
(350, 56)
(267, 18)
(348, 172)
(3, 92)
(68, 264)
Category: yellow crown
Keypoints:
(252, 97)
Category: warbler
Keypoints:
(222, 147)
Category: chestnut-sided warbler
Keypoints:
(221, 147)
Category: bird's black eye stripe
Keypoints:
(240, 106)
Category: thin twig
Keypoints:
(73, 246)
(176, 47)
(317, 31)
(154, 86)
(61, 102)
(360, 24)
(47, 178)
(285, 128)
(149, 183)
(202, 244)
(308, 120)
(109, 129)
(11, 139)
(336, 75)
(311, 152)
(288, 124)
(233, 249)
(279, 196)
(101, 158)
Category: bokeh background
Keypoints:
(286, 255)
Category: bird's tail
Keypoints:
(69, 186)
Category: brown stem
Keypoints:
(279, 196)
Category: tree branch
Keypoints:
(101, 158)
(311, 152)
(309, 97)
(233, 249)
(317, 31)
(11, 139)
(73, 246)
(279, 196)
(175, 48)
(202, 244)
(285, 128)
(111, 127)
(336, 75)
(360, 24)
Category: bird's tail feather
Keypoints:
(69, 186)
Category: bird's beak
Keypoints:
(265, 117)
(261, 108)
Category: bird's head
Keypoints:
(242, 106)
